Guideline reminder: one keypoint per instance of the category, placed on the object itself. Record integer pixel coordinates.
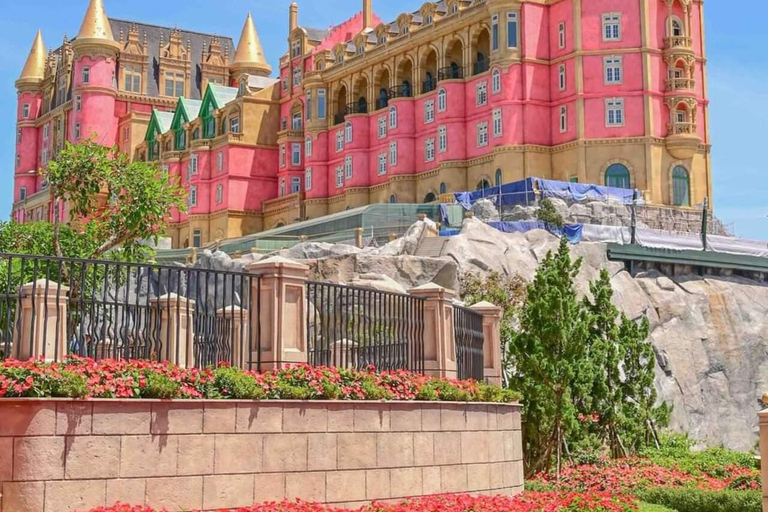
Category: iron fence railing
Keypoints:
(54, 307)
(355, 327)
(468, 330)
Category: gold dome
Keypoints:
(96, 24)
(250, 54)
(34, 68)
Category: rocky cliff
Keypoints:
(710, 334)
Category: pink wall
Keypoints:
(97, 117)
(592, 23)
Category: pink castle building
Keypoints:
(455, 96)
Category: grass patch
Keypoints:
(648, 507)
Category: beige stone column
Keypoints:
(239, 343)
(281, 296)
(492, 341)
(41, 331)
(439, 339)
(177, 328)
(764, 452)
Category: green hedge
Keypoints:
(695, 500)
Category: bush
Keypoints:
(547, 213)
(678, 451)
(696, 500)
(86, 378)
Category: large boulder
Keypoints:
(486, 211)
(380, 283)
(317, 250)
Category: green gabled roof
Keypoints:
(160, 122)
(216, 96)
(186, 110)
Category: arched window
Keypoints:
(677, 28)
(442, 100)
(496, 81)
(308, 146)
(393, 116)
(617, 176)
(430, 198)
(483, 184)
(681, 187)
(393, 199)
(443, 188)
(348, 131)
(499, 177)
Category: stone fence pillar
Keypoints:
(281, 294)
(492, 341)
(42, 321)
(241, 349)
(177, 328)
(764, 451)
(439, 339)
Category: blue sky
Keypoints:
(737, 66)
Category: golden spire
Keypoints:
(96, 24)
(249, 54)
(34, 68)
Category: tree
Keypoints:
(117, 202)
(548, 214)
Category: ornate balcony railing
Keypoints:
(680, 84)
(356, 108)
(401, 91)
(428, 86)
(682, 128)
(450, 73)
(678, 42)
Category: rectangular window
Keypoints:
(78, 103)
(382, 127)
(192, 196)
(282, 156)
(442, 139)
(192, 167)
(382, 164)
(295, 154)
(197, 238)
(496, 81)
(296, 121)
(308, 179)
(429, 150)
(22, 193)
(561, 77)
(563, 119)
(25, 111)
(309, 105)
(512, 30)
(321, 104)
(18, 161)
(77, 131)
(46, 131)
(613, 70)
(296, 48)
(348, 132)
(282, 187)
(234, 125)
(174, 84)
(219, 194)
(614, 112)
(442, 100)
(308, 147)
(132, 79)
(393, 154)
(429, 111)
(393, 117)
(340, 176)
(561, 35)
(482, 134)
(220, 161)
(348, 167)
(498, 127)
(18, 135)
(86, 75)
(295, 185)
(495, 32)
(296, 77)
(612, 27)
(481, 94)
(126, 133)
(339, 141)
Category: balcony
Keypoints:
(401, 91)
(450, 73)
(291, 134)
(678, 42)
(680, 84)
(428, 86)
(481, 67)
(682, 140)
(382, 102)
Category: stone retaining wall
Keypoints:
(63, 455)
(764, 453)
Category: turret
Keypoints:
(95, 80)
(30, 95)
(249, 57)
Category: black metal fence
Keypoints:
(53, 307)
(355, 327)
(468, 330)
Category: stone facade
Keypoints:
(60, 456)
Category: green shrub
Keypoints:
(677, 452)
(648, 507)
(235, 383)
(695, 500)
(159, 387)
(69, 385)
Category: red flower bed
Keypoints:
(529, 502)
(629, 475)
(86, 378)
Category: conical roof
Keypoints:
(249, 53)
(34, 68)
(96, 24)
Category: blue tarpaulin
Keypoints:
(519, 192)
(572, 232)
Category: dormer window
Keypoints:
(296, 48)
(405, 30)
(339, 58)
(296, 77)
(454, 8)
(382, 39)
(428, 19)
(360, 50)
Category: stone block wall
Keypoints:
(63, 455)
(764, 454)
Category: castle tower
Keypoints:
(95, 80)
(30, 96)
(249, 57)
